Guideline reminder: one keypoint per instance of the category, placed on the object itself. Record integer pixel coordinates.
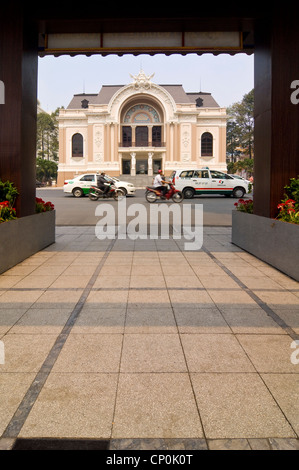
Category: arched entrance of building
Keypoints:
(142, 127)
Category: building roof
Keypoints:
(201, 99)
(76, 102)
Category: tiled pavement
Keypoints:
(144, 345)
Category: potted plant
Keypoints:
(24, 236)
(275, 241)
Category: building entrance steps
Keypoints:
(139, 181)
(142, 345)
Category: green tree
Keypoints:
(232, 141)
(246, 164)
(46, 170)
(241, 126)
(47, 135)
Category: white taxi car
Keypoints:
(80, 185)
(206, 181)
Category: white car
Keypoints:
(205, 181)
(238, 177)
(80, 185)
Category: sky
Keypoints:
(227, 77)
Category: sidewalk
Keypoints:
(144, 345)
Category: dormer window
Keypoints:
(84, 104)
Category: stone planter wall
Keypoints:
(272, 241)
(23, 237)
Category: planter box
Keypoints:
(23, 237)
(272, 241)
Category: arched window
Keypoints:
(206, 145)
(77, 145)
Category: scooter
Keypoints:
(96, 193)
(152, 194)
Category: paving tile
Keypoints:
(200, 320)
(58, 298)
(73, 405)
(289, 315)
(235, 297)
(214, 353)
(153, 297)
(109, 298)
(82, 270)
(150, 320)
(286, 281)
(204, 271)
(90, 353)
(20, 270)
(158, 444)
(49, 270)
(42, 321)
(117, 281)
(8, 317)
(9, 281)
(269, 353)
(21, 298)
(284, 444)
(238, 406)
(285, 389)
(66, 282)
(259, 444)
(116, 261)
(169, 269)
(278, 298)
(100, 320)
(13, 387)
(155, 405)
(228, 444)
(182, 281)
(243, 271)
(152, 353)
(250, 320)
(190, 298)
(141, 271)
(260, 283)
(36, 282)
(6, 443)
(149, 281)
(26, 352)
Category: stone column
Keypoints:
(150, 164)
(133, 164)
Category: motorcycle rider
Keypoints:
(160, 183)
(102, 183)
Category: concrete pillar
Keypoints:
(18, 73)
(276, 117)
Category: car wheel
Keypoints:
(238, 192)
(77, 192)
(124, 191)
(188, 193)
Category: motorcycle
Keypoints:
(96, 193)
(152, 194)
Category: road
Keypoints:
(217, 210)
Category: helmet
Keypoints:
(159, 171)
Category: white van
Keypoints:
(206, 181)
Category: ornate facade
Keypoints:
(141, 128)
